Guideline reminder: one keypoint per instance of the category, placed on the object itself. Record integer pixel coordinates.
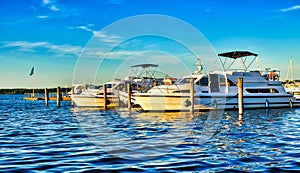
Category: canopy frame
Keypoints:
(231, 57)
(140, 69)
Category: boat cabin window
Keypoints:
(109, 85)
(222, 81)
(184, 81)
(230, 82)
(138, 87)
(262, 90)
(182, 91)
(203, 81)
(120, 86)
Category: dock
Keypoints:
(40, 96)
(56, 96)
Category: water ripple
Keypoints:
(35, 137)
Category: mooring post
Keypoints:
(58, 96)
(72, 101)
(46, 96)
(240, 95)
(129, 97)
(192, 92)
(105, 96)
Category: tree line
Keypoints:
(26, 90)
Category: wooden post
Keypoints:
(105, 96)
(46, 96)
(58, 96)
(72, 101)
(129, 97)
(240, 95)
(192, 92)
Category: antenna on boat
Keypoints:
(199, 66)
(290, 70)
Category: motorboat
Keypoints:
(141, 78)
(218, 89)
(293, 87)
(89, 95)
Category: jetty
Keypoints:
(55, 96)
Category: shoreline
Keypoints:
(29, 90)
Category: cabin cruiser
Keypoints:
(89, 95)
(141, 79)
(218, 89)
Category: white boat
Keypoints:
(291, 86)
(218, 90)
(142, 78)
(88, 95)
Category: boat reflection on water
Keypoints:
(261, 128)
(221, 140)
(145, 135)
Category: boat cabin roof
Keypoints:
(144, 65)
(229, 59)
(237, 54)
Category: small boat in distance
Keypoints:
(218, 89)
(291, 85)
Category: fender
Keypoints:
(267, 104)
(215, 104)
(291, 103)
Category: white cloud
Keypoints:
(26, 46)
(45, 2)
(42, 17)
(296, 7)
(53, 8)
(106, 38)
(66, 49)
(50, 5)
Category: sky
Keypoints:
(95, 41)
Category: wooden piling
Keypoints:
(240, 95)
(105, 96)
(129, 97)
(58, 96)
(72, 101)
(192, 92)
(46, 96)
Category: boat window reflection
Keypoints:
(262, 90)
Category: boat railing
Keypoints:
(271, 75)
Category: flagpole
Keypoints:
(33, 85)
(32, 74)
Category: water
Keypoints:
(36, 138)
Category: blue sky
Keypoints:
(52, 35)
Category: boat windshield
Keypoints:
(184, 81)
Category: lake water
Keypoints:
(35, 137)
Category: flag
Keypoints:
(32, 71)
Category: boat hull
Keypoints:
(211, 102)
(92, 101)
